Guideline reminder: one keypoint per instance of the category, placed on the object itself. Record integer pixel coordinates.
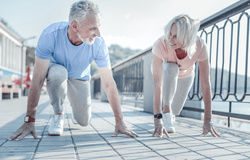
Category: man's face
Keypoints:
(89, 28)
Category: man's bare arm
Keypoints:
(40, 71)
(110, 88)
(39, 74)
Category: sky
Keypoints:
(136, 24)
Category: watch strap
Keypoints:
(28, 119)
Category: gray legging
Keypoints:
(78, 91)
(175, 91)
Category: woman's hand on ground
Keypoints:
(208, 127)
(159, 129)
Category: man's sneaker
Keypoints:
(168, 121)
(56, 125)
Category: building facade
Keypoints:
(12, 60)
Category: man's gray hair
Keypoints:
(80, 9)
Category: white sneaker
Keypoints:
(56, 125)
(168, 121)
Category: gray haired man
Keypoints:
(64, 53)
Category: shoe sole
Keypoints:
(171, 131)
(54, 134)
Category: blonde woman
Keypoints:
(174, 57)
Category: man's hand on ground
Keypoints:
(121, 128)
(24, 130)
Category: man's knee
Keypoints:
(82, 118)
(83, 121)
(57, 74)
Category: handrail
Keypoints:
(225, 13)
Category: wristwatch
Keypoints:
(158, 116)
(28, 119)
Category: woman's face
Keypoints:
(172, 39)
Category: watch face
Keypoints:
(158, 116)
(26, 119)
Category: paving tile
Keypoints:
(55, 143)
(16, 156)
(185, 156)
(232, 156)
(97, 153)
(14, 149)
(24, 143)
(215, 152)
(239, 149)
(56, 155)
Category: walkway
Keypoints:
(95, 142)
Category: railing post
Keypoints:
(230, 110)
(148, 82)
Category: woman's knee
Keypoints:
(171, 69)
(176, 112)
(177, 107)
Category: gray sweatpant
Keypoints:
(175, 90)
(78, 91)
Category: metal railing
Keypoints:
(228, 44)
(225, 62)
(129, 79)
(128, 75)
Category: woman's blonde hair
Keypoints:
(187, 29)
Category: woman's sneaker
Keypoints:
(168, 121)
(56, 125)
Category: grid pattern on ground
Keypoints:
(96, 142)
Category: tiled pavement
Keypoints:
(95, 141)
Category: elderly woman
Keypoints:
(174, 57)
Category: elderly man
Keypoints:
(63, 56)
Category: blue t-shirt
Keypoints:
(55, 46)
